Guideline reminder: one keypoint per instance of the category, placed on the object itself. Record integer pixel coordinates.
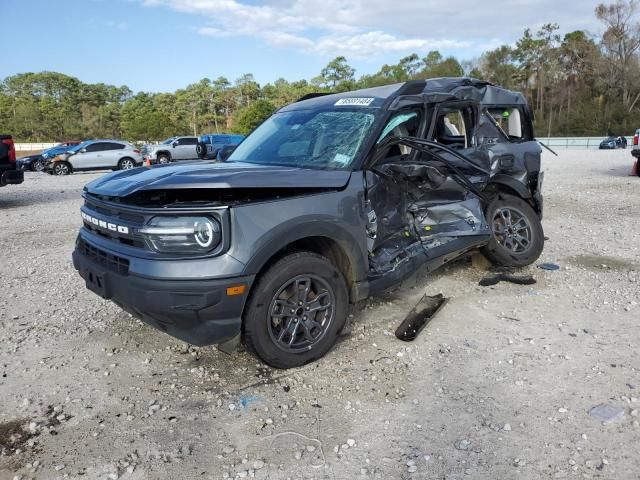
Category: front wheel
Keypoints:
(517, 237)
(163, 159)
(298, 307)
(37, 166)
(61, 168)
(126, 164)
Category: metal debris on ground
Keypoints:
(419, 316)
(505, 277)
(549, 266)
(606, 413)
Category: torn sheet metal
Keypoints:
(451, 220)
(418, 318)
(400, 249)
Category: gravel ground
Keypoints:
(498, 386)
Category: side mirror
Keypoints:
(83, 150)
(174, 144)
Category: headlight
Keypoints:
(182, 234)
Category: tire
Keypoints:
(126, 163)
(163, 158)
(201, 150)
(517, 238)
(278, 310)
(62, 168)
(36, 166)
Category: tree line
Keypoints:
(576, 84)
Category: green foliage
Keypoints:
(575, 84)
(248, 118)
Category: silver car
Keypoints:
(95, 155)
(172, 149)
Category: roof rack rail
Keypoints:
(412, 87)
(312, 95)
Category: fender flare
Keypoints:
(515, 185)
(163, 152)
(283, 236)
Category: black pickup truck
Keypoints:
(9, 172)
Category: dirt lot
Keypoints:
(498, 386)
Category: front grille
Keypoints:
(113, 213)
(111, 262)
(132, 242)
(96, 208)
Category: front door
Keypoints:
(89, 159)
(421, 203)
(184, 148)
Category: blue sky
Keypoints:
(163, 45)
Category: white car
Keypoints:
(172, 149)
(95, 155)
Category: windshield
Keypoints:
(78, 147)
(168, 141)
(309, 139)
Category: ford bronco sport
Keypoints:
(332, 199)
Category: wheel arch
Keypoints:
(167, 153)
(509, 185)
(512, 185)
(67, 163)
(331, 248)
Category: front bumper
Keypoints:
(11, 177)
(199, 312)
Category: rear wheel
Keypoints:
(61, 168)
(517, 237)
(126, 164)
(298, 307)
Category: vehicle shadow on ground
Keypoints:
(24, 199)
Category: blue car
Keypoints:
(217, 146)
(612, 143)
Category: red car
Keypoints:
(9, 172)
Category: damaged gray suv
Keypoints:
(332, 199)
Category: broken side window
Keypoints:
(403, 124)
(454, 127)
(510, 121)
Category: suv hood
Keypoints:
(210, 175)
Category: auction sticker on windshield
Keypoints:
(360, 102)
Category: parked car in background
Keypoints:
(95, 155)
(35, 162)
(612, 142)
(9, 171)
(171, 150)
(217, 146)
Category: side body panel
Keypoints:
(261, 230)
